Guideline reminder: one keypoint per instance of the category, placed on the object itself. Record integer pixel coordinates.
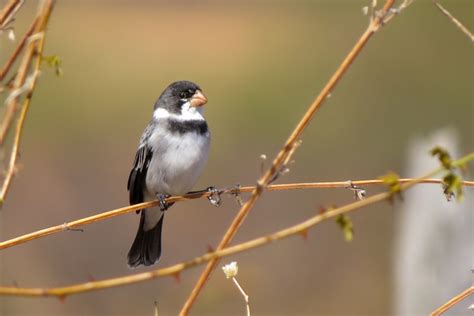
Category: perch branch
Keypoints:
(175, 269)
(286, 152)
(128, 209)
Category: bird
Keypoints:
(171, 155)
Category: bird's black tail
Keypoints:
(146, 248)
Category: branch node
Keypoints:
(359, 192)
(66, 228)
(215, 196)
(236, 193)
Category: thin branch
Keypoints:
(232, 191)
(8, 11)
(34, 49)
(245, 295)
(455, 300)
(175, 269)
(284, 153)
(13, 57)
(456, 22)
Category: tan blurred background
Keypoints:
(260, 64)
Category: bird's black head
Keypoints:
(179, 93)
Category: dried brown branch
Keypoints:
(175, 269)
(16, 53)
(455, 300)
(232, 191)
(8, 11)
(456, 22)
(24, 85)
(284, 153)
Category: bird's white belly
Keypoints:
(177, 162)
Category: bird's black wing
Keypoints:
(136, 180)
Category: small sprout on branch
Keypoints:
(359, 192)
(156, 308)
(345, 223)
(230, 271)
(443, 156)
(452, 187)
(54, 61)
(263, 159)
(391, 179)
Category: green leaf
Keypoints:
(443, 156)
(55, 62)
(452, 185)
(345, 223)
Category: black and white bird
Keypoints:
(171, 155)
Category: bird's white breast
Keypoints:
(177, 162)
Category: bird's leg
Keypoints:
(163, 204)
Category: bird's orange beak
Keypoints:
(198, 99)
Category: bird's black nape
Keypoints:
(171, 97)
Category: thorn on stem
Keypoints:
(209, 248)
(304, 234)
(177, 277)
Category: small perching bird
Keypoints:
(171, 155)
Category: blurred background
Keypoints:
(260, 64)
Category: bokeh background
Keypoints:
(260, 64)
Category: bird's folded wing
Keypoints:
(136, 180)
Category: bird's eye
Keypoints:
(182, 95)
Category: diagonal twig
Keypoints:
(374, 25)
(34, 49)
(455, 300)
(456, 22)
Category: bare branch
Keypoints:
(232, 191)
(9, 11)
(455, 300)
(456, 22)
(286, 151)
(173, 270)
(31, 58)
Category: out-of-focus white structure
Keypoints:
(433, 253)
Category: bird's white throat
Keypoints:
(188, 113)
